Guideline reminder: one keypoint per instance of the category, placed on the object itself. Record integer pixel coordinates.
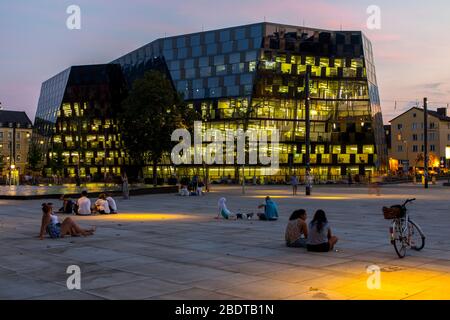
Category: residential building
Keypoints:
(408, 138)
(15, 134)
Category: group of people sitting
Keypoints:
(105, 204)
(193, 191)
(270, 211)
(315, 236)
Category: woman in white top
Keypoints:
(112, 203)
(320, 237)
(102, 204)
(223, 210)
(54, 229)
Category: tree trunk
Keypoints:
(155, 175)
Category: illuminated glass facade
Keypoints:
(76, 120)
(253, 76)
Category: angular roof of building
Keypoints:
(430, 112)
(7, 116)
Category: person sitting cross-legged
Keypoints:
(112, 203)
(320, 237)
(297, 229)
(270, 210)
(102, 205)
(83, 205)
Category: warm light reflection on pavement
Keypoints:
(140, 216)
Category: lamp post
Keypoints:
(425, 137)
(307, 136)
(12, 152)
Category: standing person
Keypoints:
(83, 207)
(102, 205)
(125, 187)
(270, 210)
(112, 203)
(297, 230)
(320, 237)
(349, 178)
(50, 225)
(294, 183)
(374, 183)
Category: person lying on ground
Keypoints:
(54, 229)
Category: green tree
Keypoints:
(34, 157)
(150, 113)
(56, 162)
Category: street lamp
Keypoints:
(307, 136)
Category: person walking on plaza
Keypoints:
(50, 225)
(83, 205)
(125, 187)
(270, 210)
(297, 230)
(374, 183)
(320, 237)
(294, 183)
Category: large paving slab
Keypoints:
(169, 247)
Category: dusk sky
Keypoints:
(412, 48)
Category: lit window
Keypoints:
(351, 149)
(368, 149)
(326, 158)
(335, 149)
(221, 69)
(343, 158)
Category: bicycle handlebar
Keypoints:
(408, 200)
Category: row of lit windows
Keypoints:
(313, 61)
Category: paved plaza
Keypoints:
(171, 247)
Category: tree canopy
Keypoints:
(150, 113)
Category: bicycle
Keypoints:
(404, 231)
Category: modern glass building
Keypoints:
(254, 76)
(76, 120)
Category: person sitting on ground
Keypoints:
(223, 210)
(84, 205)
(54, 229)
(112, 203)
(297, 230)
(320, 237)
(67, 205)
(102, 205)
(184, 191)
(270, 210)
(199, 190)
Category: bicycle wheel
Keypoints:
(399, 240)
(416, 236)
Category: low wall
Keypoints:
(133, 192)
